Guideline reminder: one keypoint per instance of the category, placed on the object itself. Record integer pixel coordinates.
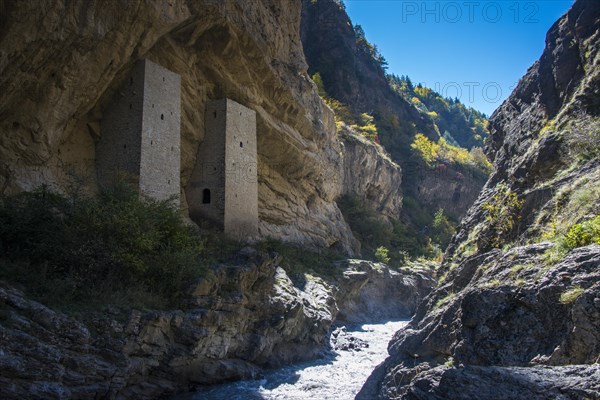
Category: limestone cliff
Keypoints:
(371, 175)
(518, 305)
(62, 63)
(444, 187)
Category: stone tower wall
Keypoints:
(209, 171)
(118, 151)
(241, 186)
(227, 167)
(141, 133)
(160, 133)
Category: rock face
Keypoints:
(572, 382)
(373, 292)
(341, 340)
(247, 316)
(520, 323)
(61, 65)
(500, 309)
(371, 175)
(445, 188)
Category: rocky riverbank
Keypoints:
(245, 316)
(496, 314)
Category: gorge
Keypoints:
(375, 202)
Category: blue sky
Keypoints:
(474, 50)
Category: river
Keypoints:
(338, 376)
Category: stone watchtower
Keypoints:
(223, 188)
(141, 132)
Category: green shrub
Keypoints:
(86, 249)
(433, 153)
(467, 127)
(444, 300)
(367, 226)
(410, 242)
(382, 254)
(578, 235)
(402, 239)
(367, 128)
(502, 213)
(426, 149)
(419, 213)
(583, 138)
(443, 230)
(299, 261)
(363, 123)
(583, 234)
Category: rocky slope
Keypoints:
(61, 64)
(518, 306)
(352, 75)
(247, 316)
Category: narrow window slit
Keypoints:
(206, 196)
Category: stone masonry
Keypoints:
(141, 133)
(223, 187)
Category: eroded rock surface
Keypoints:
(506, 383)
(501, 309)
(371, 175)
(246, 316)
(373, 292)
(341, 340)
(446, 188)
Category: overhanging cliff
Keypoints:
(62, 63)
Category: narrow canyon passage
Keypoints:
(337, 376)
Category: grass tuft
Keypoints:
(571, 295)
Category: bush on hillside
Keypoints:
(82, 249)
(433, 153)
(502, 214)
(583, 234)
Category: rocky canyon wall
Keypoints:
(517, 310)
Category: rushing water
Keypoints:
(338, 376)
